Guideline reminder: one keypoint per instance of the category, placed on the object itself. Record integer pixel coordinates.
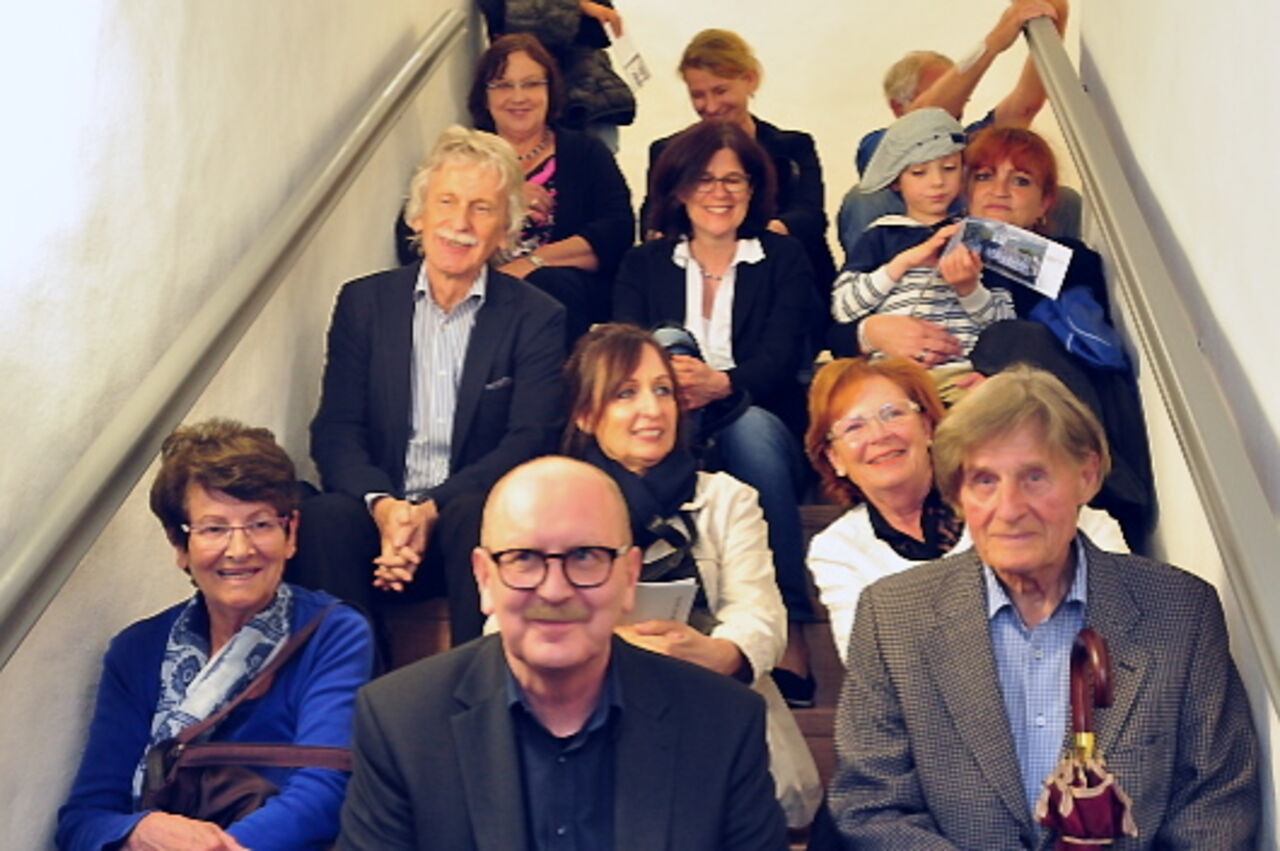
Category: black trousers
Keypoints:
(338, 540)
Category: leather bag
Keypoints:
(212, 781)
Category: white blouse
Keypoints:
(714, 333)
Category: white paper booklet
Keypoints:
(1020, 255)
(630, 63)
(664, 601)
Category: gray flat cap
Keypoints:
(917, 137)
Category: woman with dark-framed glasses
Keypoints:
(226, 497)
(626, 418)
(871, 425)
(743, 293)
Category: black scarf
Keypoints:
(654, 498)
(941, 527)
(654, 503)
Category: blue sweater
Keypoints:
(311, 702)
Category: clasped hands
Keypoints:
(404, 529)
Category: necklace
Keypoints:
(711, 277)
(539, 148)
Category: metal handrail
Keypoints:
(1233, 497)
(110, 467)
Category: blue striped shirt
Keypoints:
(440, 341)
(1034, 667)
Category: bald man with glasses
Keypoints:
(553, 732)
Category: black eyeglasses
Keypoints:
(506, 87)
(734, 183)
(523, 569)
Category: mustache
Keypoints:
(456, 236)
(567, 613)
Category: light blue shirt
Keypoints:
(1034, 667)
(439, 349)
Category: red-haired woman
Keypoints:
(871, 427)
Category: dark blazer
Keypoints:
(770, 306)
(801, 198)
(437, 762)
(510, 396)
(926, 759)
(592, 199)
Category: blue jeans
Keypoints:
(757, 448)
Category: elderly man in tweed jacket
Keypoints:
(955, 706)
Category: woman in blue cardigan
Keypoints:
(226, 496)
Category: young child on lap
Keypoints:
(894, 266)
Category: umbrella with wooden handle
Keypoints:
(1081, 800)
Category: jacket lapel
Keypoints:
(1112, 611)
(644, 760)
(492, 321)
(747, 287)
(962, 664)
(396, 364)
(490, 765)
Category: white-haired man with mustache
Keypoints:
(441, 376)
(554, 733)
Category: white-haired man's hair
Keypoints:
(460, 146)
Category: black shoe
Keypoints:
(796, 690)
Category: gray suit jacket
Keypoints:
(926, 758)
(437, 763)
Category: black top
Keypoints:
(770, 310)
(568, 781)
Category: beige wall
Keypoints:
(158, 140)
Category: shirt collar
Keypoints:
(749, 250)
(610, 697)
(480, 286)
(997, 598)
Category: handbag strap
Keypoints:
(266, 754)
(260, 683)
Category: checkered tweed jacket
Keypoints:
(926, 759)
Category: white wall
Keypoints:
(1186, 92)
(823, 67)
(157, 140)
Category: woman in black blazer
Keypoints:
(743, 293)
(722, 74)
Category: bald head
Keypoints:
(553, 507)
(555, 489)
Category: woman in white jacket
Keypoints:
(706, 528)
(871, 425)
